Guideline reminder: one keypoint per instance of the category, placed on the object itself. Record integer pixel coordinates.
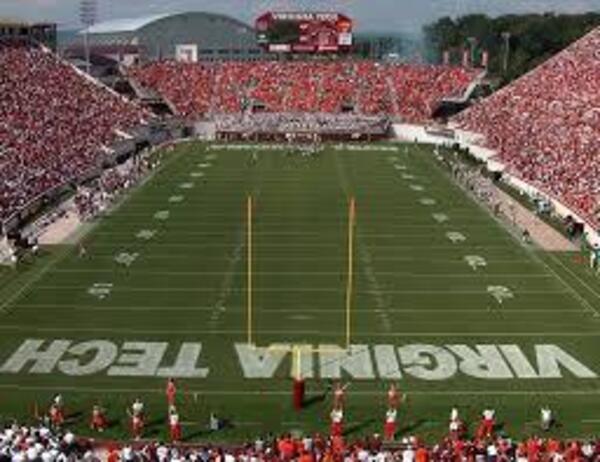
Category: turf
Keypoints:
(412, 285)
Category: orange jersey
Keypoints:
(56, 415)
(98, 420)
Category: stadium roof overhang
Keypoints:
(5, 21)
(123, 25)
(131, 25)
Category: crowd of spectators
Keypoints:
(96, 196)
(42, 443)
(411, 92)
(56, 125)
(410, 449)
(545, 126)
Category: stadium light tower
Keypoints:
(472, 44)
(506, 37)
(88, 13)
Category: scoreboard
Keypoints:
(304, 32)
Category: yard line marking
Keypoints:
(313, 333)
(581, 281)
(582, 301)
(482, 291)
(177, 231)
(68, 250)
(229, 275)
(309, 258)
(375, 287)
(239, 309)
(306, 245)
(199, 392)
(35, 278)
(310, 273)
(533, 256)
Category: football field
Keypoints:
(443, 301)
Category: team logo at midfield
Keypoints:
(145, 234)
(440, 217)
(162, 215)
(455, 237)
(500, 293)
(475, 262)
(100, 290)
(126, 259)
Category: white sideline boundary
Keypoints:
(575, 276)
(311, 333)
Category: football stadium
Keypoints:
(241, 241)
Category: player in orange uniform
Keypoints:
(56, 411)
(98, 421)
(171, 392)
(56, 415)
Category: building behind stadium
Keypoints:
(17, 29)
(190, 36)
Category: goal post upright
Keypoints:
(350, 269)
(249, 249)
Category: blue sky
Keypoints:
(372, 15)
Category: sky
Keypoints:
(369, 15)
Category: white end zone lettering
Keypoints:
(361, 362)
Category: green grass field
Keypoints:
(419, 310)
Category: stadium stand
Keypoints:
(56, 125)
(411, 92)
(41, 442)
(22, 443)
(545, 126)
